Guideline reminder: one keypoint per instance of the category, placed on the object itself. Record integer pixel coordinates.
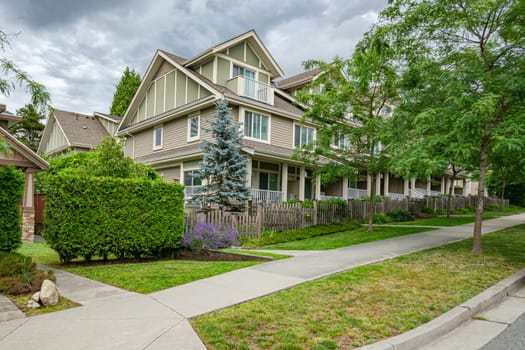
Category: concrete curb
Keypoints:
(422, 335)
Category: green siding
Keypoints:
(237, 52)
(193, 90)
(204, 92)
(181, 89)
(251, 57)
(170, 91)
(263, 78)
(142, 111)
(159, 96)
(207, 70)
(151, 100)
(223, 71)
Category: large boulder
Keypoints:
(49, 295)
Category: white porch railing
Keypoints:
(251, 88)
(329, 197)
(356, 193)
(189, 191)
(266, 196)
(417, 193)
(396, 196)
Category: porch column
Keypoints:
(318, 187)
(28, 215)
(345, 188)
(369, 184)
(465, 190)
(449, 182)
(284, 181)
(378, 184)
(301, 184)
(413, 184)
(429, 185)
(386, 187)
(249, 172)
(406, 192)
(443, 184)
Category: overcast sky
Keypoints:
(79, 49)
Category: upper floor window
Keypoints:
(157, 137)
(256, 126)
(242, 71)
(193, 128)
(303, 135)
(192, 178)
(341, 140)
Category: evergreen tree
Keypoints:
(126, 88)
(29, 129)
(223, 166)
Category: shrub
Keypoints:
(211, 236)
(377, 198)
(424, 215)
(381, 219)
(99, 216)
(430, 211)
(19, 274)
(440, 212)
(401, 215)
(272, 237)
(11, 192)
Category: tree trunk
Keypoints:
(449, 198)
(502, 192)
(476, 246)
(371, 204)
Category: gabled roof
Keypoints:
(8, 117)
(33, 160)
(298, 79)
(111, 118)
(79, 129)
(256, 44)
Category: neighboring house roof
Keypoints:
(298, 79)
(80, 130)
(28, 159)
(8, 117)
(252, 38)
(113, 118)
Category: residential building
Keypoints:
(70, 132)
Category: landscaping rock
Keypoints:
(33, 304)
(49, 295)
(36, 297)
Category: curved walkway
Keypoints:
(112, 318)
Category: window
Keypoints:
(244, 72)
(193, 128)
(256, 126)
(268, 181)
(303, 136)
(157, 137)
(191, 178)
(341, 140)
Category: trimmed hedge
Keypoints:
(99, 216)
(11, 193)
(268, 238)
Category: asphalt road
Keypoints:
(512, 338)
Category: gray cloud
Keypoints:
(79, 50)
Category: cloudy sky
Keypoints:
(79, 49)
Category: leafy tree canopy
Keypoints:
(29, 129)
(126, 89)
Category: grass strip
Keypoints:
(256, 253)
(368, 303)
(347, 238)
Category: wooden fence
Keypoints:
(281, 217)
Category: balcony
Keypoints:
(258, 195)
(356, 193)
(251, 88)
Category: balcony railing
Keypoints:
(251, 88)
(396, 196)
(266, 196)
(189, 191)
(356, 193)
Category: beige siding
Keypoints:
(223, 71)
(251, 57)
(143, 142)
(175, 133)
(237, 52)
(170, 90)
(170, 174)
(206, 117)
(142, 110)
(207, 70)
(165, 68)
(128, 147)
(281, 131)
(56, 139)
(159, 95)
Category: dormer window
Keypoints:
(242, 71)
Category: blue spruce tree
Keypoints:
(223, 166)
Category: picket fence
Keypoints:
(283, 216)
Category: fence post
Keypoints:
(315, 213)
(259, 219)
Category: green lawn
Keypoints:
(252, 252)
(346, 238)
(368, 303)
(143, 277)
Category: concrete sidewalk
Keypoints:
(115, 319)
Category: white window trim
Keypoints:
(161, 127)
(314, 137)
(242, 112)
(194, 138)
